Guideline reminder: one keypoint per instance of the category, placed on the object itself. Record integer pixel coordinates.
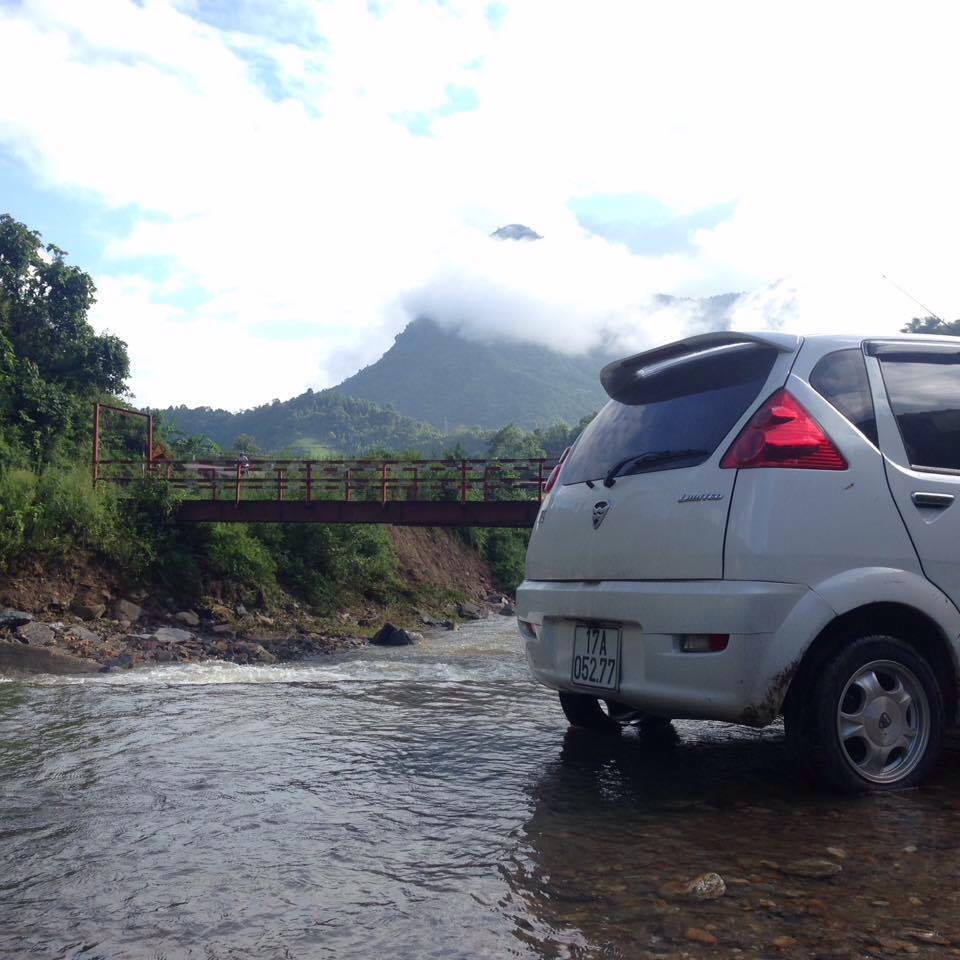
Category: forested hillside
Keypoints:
(438, 376)
(312, 423)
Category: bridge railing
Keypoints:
(383, 480)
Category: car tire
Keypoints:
(606, 716)
(871, 718)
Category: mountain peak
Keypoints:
(516, 231)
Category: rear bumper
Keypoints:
(769, 624)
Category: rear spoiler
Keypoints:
(622, 378)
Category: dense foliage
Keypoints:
(52, 363)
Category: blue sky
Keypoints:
(266, 192)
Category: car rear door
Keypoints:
(918, 415)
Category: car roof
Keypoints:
(839, 340)
(860, 337)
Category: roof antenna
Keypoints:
(930, 313)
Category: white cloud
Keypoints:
(315, 224)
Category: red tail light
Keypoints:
(782, 434)
(555, 473)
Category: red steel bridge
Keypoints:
(261, 489)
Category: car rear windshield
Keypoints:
(679, 419)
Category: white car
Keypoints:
(759, 525)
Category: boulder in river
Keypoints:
(14, 618)
(35, 633)
(188, 618)
(26, 658)
(390, 636)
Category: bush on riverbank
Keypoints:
(56, 513)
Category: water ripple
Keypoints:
(417, 803)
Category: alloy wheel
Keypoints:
(883, 721)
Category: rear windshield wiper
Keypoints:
(649, 459)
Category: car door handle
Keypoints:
(922, 498)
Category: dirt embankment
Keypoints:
(78, 617)
(435, 560)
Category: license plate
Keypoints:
(596, 657)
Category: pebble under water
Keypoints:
(430, 802)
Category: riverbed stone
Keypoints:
(707, 886)
(83, 633)
(35, 633)
(188, 618)
(812, 868)
(126, 611)
(14, 618)
(390, 636)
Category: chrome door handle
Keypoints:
(922, 498)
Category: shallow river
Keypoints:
(429, 802)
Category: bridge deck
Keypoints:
(467, 492)
(402, 513)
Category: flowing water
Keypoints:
(430, 802)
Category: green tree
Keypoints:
(245, 444)
(54, 362)
(510, 442)
(933, 325)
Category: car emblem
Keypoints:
(885, 720)
(600, 509)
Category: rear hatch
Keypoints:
(641, 495)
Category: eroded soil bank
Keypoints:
(79, 618)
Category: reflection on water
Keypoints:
(430, 802)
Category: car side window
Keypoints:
(924, 391)
(841, 379)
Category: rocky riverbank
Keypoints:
(96, 636)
